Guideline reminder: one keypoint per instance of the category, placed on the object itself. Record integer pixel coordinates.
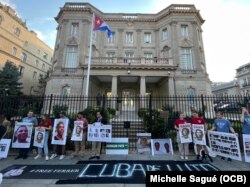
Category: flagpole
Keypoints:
(89, 59)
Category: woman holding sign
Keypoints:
(183, 147)
(47, 125)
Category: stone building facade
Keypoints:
(159, 54)
(22, 47)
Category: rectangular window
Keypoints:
(14, 51)
(71, 57)
(129, 38)
(111, 39)
(129, 57)
(43, 67)
(23, 57)
(147, 38)
(45, 55)
(184, 31)
(110, 57)
(164, 34)
(37, 63)
(148, 58)
(34, 75)
(20, 70)
(74, 29)
(186, 59)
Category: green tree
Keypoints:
(9, 80)
(42, 81)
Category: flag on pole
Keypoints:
(102, 26)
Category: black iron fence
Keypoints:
(144, 114)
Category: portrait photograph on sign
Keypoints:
(39, 137)
(4, 147)
(99, 133)
(143, 143)
(59, 134)
(199, 136)
(162, 147)
(224, 144)
(77, 131)
(246, 145)
(185, 133)
(22, 135)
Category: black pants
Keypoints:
(23, 152)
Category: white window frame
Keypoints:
(71, 57)
(147, 37)
(111, 39)
(186, 59)
(74, 29)
(23, 57)
(129, 57)
(148, 58)
(110, 57)
(14, 51)
(184, 31)
(34, 76)
(165, 34)
(129, 37)
(20, 70)
(66, 91)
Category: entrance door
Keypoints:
(128, 100)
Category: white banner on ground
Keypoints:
(143, 143)
(99, 133)
(22, 135)
(162, 147)
(246, 145)
(77, 131)
(59, 134)
(199, 136)
(117, 146)
(4, 147)
(39, 137)
(185, 133)
(224, 144)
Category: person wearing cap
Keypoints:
(59, 149)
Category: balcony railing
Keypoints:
(69, 70)
(131, 61)
(188, 71)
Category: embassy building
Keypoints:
(158, 54)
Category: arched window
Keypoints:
(190, 95)
(17, 31)
(66, 91)
(1, 20)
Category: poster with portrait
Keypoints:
(246, 146)
(4, 147)
(22, 135)
(143, 143)
(185, 133)
(162, 147)
(59, 133)
(39, 137)
(77, 131)
(99, 133)
(224, 144)
(199, 136)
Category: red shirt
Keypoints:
(179, 121)
(197, 121)
(46, 124)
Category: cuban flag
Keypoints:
(102, 26)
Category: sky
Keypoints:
(226, 31)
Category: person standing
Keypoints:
(223, 125)
(47, 125)
(183, 147)
(80, 145)
(196, 119)
(245, 119)
(23, 152)
(59, 149)
(96, 146)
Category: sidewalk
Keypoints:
(221, 164)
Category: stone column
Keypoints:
(171, 88)
(143, 91)
(114, 91)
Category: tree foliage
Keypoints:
(42, 81)
(9, 80)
